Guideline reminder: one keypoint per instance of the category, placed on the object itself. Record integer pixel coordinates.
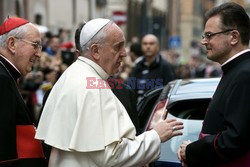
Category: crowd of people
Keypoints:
(33, 64)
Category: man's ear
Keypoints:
(10, 42)
(95, 53)
(235, 37)
(77, 53)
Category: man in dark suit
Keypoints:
(151, 70)
(20, 46)
(224, 138)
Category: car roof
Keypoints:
(179, 92)
(183, 89)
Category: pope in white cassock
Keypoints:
(89, 127)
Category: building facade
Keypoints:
(177, 23)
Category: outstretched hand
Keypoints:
(168, 128)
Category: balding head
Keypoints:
(151, 37)
(150, 45)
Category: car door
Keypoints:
(188, 108)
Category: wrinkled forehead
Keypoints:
(115, 34)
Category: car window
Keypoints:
(189, 109)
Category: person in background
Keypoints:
(83, 120)
(77, 39)
(135, 51)
(152, 70)
(53, 46)
(197, 66)
(224, 138)
(20, 47)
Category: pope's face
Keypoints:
(113, 50)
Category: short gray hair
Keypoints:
(18, 32)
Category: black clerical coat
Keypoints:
(127, 97)
(18, 148)
(225, 135)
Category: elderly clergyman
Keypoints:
(20, 47)
(90, 127)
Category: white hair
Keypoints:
(18, 32)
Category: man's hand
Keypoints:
(168, 128)
(182, 152)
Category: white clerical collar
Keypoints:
(96, 67)
(11, 64)
(237, 55)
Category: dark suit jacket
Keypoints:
(226, 125)
(14, 120)
(159, 73)
(127, 97)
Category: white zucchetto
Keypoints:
(91, 28)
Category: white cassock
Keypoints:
(90, 127)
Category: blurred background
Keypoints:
(177, 23)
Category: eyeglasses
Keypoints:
(209, 35)
(36, 45)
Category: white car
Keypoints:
(185, 100)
